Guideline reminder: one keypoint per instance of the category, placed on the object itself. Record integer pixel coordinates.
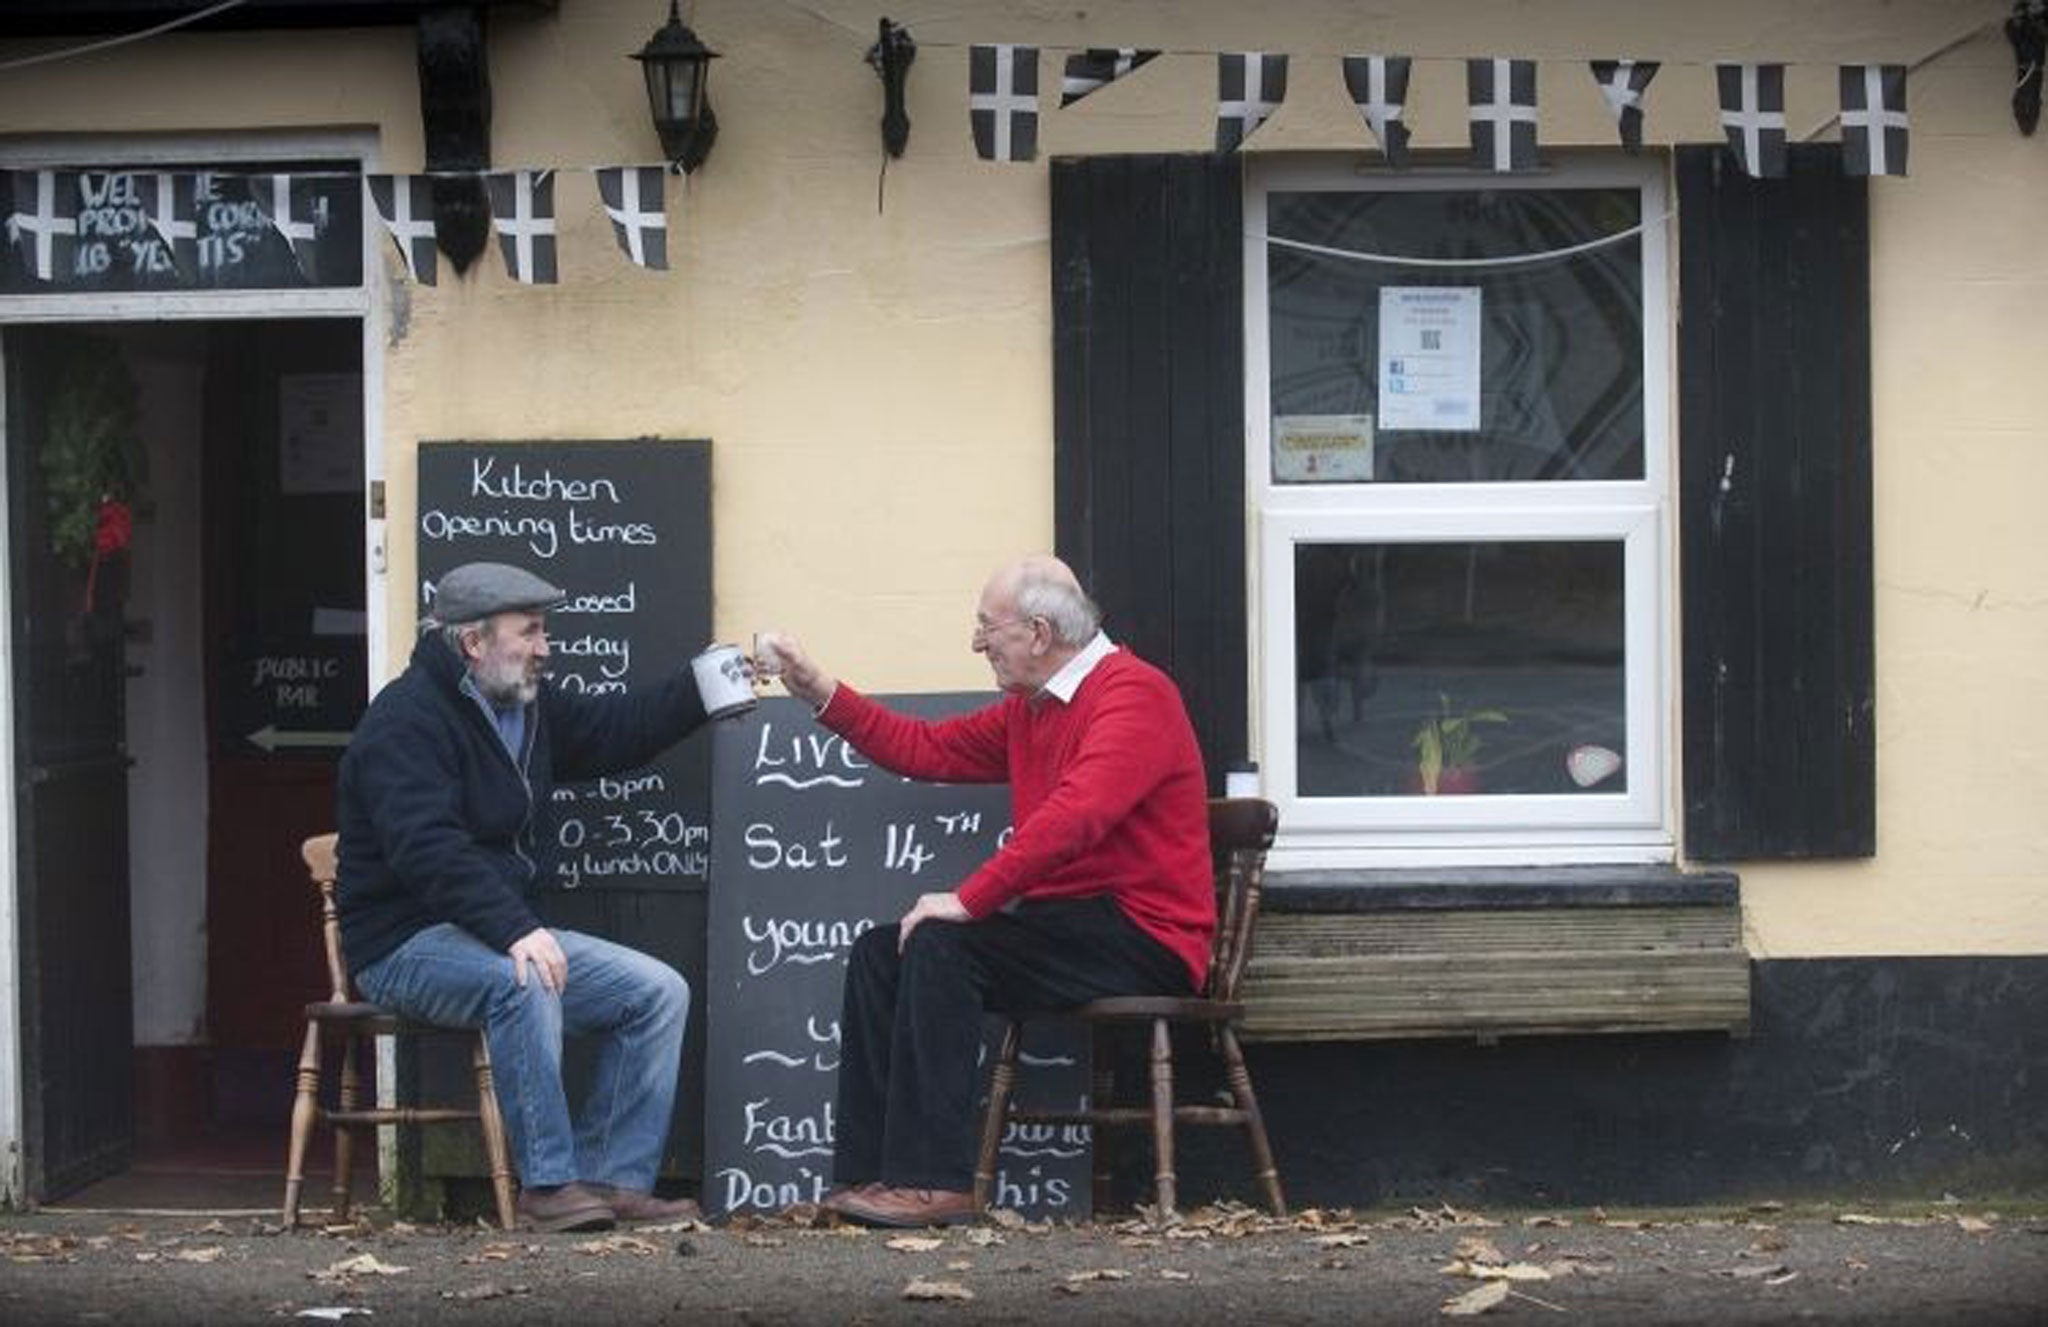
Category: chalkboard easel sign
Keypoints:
(812, 847)
(625, 528)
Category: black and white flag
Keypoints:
(1502, 95)
(289, 209)
(1874, 119)
(170, 203)
(1753, 116)
(1002, 101)
(43, 222)
(635, 198)
(1250, 85)
(405, 204)
(523, 214)
(1096, 68)
(1379, 88)
(1622, 84)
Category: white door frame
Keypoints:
(366, 303)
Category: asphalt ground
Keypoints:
(1946, 1263)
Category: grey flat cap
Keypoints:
(475, 590)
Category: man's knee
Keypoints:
(669, 993)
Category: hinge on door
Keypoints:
(376, 499)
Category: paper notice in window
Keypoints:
(1429, 358)
(1322, 449)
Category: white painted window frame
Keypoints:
(367, 302)
(1636, 825)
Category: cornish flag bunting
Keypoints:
(1379, 88)
(634, 198)
(273, 194)
(1874, 119)
(1623, 83)
(523, 214)
(1502, 94)
(1250, 86)
(169, 202)
(405, 204)
(1753, 116)
(1002, 101)
(1094, 69)
(44, 222)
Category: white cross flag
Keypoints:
(1097, 68)
(1874, 119)
(170, 203)
(523, 214)
(1379, 88)
(1502, 96)
(44, 222)
(405, 204)
(634, 198)
(1753, 116)
(1250, 85)
(1002, 101)
(274, 197)
(1623, 83)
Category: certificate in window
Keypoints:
(1322, 449)
(1429, 358)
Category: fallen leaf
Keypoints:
(1174, 1274)
(960, 1265)
(1757, 1273)
(1476, 1301)
(982, 1237)
(1099, 1274)
(1975, 1225)
(1349, 1239)
(1771, 1243)
(1485, 1271)
(1139, 1242)
(333, 1312)
(213, 1228)
(485, 1290)
(1855, 1263)
(920, 1288)
(764, 1241)
(1858, 1219)
(916, 1243)
(1767, 1205)
(212, 1253)
(1781, 1277)
(1008, 1218)
(1547, 1220)
(363, 1264)
(1474, 1249)
(610, 1244)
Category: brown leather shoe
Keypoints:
(884, 1206)
(565, 1207)
(632, 1205)
(835, 1201)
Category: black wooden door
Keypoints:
(71, 808)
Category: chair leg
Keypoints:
(1162, 1114)
(997, 1117)
(345, 1135)
(491, 1123)
(304, 1106)
(1255, 1124)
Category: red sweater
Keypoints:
(1107, 795)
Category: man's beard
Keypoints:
(506, 684)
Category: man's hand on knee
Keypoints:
(944, 907)
(550, 964)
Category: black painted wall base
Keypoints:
(1883, 1077)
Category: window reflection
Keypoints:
(1514, 649)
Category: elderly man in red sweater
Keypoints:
(1104, 886)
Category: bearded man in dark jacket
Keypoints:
(444, 813)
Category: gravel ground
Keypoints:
(1939, 1265)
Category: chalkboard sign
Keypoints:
(285, 227)
(296, 695)
(625, 528)
(814, 846)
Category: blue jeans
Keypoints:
(637, 1004)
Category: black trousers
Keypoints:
(910, 1025)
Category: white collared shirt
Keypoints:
(1063, 684)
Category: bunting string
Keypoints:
(1505, 260)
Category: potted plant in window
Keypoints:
(1446, 745)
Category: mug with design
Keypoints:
(722, 681)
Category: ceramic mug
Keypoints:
(722, 681)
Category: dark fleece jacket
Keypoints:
(438, 824)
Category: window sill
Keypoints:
(1361, 955)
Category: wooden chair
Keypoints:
(356, 1023)
(1240, 832)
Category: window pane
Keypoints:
(1513, 650)
(1560, 373)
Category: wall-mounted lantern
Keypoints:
(678, 66)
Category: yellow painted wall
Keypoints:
(878, 385)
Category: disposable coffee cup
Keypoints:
(1241, 780)
(722, 681)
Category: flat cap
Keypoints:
(475, 590)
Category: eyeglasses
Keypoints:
(983, 630)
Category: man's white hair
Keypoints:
(1046, 589)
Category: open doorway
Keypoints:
(177, 736)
